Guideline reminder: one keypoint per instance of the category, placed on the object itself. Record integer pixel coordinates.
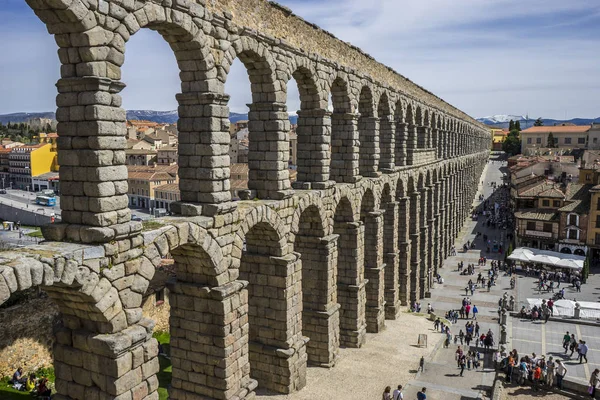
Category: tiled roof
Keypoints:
(552, 193)
(169, 187)
(545, 189)
(150, 176)
(579, 198)
(557, 129)
(140, 152)
(537, 215)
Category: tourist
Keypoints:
(572, 345)
(43, 390)
(561, 371)
(566, 340)
(583, 349)
(18, 377)
(537, 376)
(30, 383)
(462, 363)
(387, 393)
(594, 380)
(475, 311)
(421, 395)
(398, 395)
(551, 367)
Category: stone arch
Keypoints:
(320, 310)
(344, 133)
(350, 273)
(368, 133)
(274, 280)
(386, 133)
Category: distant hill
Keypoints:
(502, 121)
(163, 117)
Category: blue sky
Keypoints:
(484, 56)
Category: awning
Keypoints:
(547, 257)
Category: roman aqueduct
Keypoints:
(268, 284)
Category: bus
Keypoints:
(45, 201)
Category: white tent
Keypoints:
(552, 258)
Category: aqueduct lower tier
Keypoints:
(263, 286)
(259, 294)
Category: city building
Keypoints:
(498, 137)
(167, 156)
(164, 195)
(142, 184)
(534, 140)
(49, 180)
(28, 161)
(594, 137)
(140, 156)
(4, 167)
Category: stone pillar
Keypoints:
(106, 366)
(424, 244)
(415, 243)
(404, 249)
(269, 152)
(209, 342)
(351, 284)
(435, 142)
(277, 349)
(388, 144)
(369, 146)
(436, 236)
(446, 145)
(91, 153)
(203, 154)
(391, 259)
(314, 142)
(401, 144)
(320, 314)
(411, 143)
(374, 271)
(344, 148)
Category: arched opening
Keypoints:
(310, 139)
(411, 134)
(373, 262)
(565, 250)
(320, 309)
(350, 275)
(415, 239)
(425, 217)
(268, 126)
(401, 135)
(344, 168)
(404, 241)
(277, 351)
(386, 135)
(579, 252)
(368, 134)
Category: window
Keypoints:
(530, 226)
(545, 203)
(595, 140)
(581, 140)
(573, 234)
(573, 220)
(597, 221)
(538, 140)
(567, 140)
(556, 203)
(528, 140)
(159, 297)
(588, 177)
(547, 227)
(598, 204)
(597, 239)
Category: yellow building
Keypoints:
(28, 161)
(143, 181)
(498, 137)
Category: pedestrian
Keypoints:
(594, 380)
(421, 395)
(537, 376)
(551, 365)
(561, 371)
(583, 349)
(462, 365)
(475, 311)
(566, 340)
(421, 364)
(398, 395)
(387, 393)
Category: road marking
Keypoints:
(585, 366)
(544, 339)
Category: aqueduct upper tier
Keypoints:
(266, 285)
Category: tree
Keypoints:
(511, 125)
(551, 141)
(512, 145)
(518, 125)
(538, 122)
(586, 269)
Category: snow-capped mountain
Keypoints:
(501, 119)
(168, 117)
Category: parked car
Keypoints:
(2, 191)
(135, 218)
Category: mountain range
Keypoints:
(170, 117)
(502, 121)
(163, 117)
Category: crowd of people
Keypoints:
(30, 383)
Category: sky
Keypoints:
(486, 57)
